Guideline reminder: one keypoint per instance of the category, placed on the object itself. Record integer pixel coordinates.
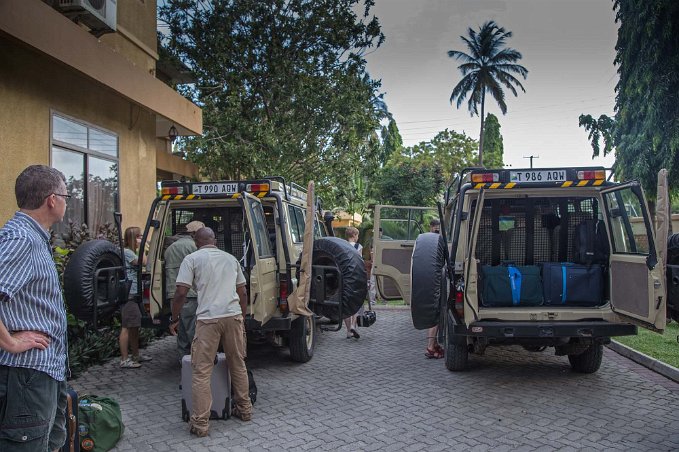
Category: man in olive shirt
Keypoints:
(174, 255)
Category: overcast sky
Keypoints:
(568, 47)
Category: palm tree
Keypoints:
(488, 66)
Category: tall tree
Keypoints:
(392, 141)
(487, 68)
(492, 142)
(644, 134)
(282, 84)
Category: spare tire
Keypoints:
(427, 280)
(79, 280)
(338, 253)
(673, 249)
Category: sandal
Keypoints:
(439, 350)
(433, 353)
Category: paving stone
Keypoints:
(380, 394)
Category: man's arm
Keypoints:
(242, 298)
(21, 341)
(177, 303)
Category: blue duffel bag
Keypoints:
(511, 286)
(568, 284)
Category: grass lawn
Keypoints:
(661, 347)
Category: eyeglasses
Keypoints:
(63, 196)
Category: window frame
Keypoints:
(86, 153)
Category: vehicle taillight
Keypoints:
(459, 298)
(172, 190)
(146, 297)
(283, 294)
(256, 187)
(589, 175)
(485, 177)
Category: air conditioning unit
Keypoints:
(98, 15)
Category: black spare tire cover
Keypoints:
(673, 249)
(338, 253)
(79, 281)
(426, 276)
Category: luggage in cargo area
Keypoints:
(569, 284)
(511, 286)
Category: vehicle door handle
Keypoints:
(407, 245)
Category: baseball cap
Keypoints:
(194, 226)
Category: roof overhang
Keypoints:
(46, 30)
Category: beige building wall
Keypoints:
(33, 86)
(135, 37)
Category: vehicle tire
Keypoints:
(338, 253)
(673, 249)
(456, 349)
(588, 361)
(302, 339)
(426, 277)
(79, 280)
(673, 242)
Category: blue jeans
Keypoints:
(32, 410)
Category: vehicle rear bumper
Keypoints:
(546, 330)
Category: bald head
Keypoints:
(204, 236)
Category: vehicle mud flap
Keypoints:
(94, 281)
(427, 274)
(339, 282)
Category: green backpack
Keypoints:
(100, 423)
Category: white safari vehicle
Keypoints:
(558, 257)
(260, 222)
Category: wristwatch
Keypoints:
(173, 320)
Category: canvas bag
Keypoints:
(100, 424)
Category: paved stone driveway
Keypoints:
(380, 393)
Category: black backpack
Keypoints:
(591, 243)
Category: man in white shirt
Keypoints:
(222, 298)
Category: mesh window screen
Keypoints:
(528, 231)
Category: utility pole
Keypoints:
(531, 157)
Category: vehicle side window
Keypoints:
(629, 233)
(296, 219)
(398, 223)
(260, 233)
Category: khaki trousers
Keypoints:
(209, 333)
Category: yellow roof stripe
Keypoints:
(582, 183)
(598, 182)
(510, 185)
(495, 185)
(479, 186)
(568, 183)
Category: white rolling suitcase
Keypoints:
(220, 384)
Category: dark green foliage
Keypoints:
(645, 131)
(391, 142)
(599, 129)
(449, 150)
(282, 85)
(87, 348)
(647, 103)
(409, 184)
(492, 143)
(487, 68)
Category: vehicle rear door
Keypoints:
(636, 276)
(260, 261)
(395, 231)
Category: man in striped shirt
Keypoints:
(32, 318)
